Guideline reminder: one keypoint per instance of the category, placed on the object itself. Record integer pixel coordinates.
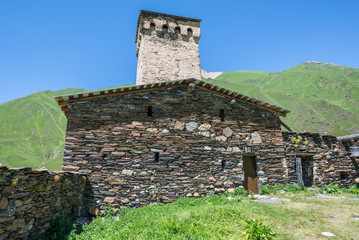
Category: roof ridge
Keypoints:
(210, 87)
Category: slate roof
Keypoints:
(65, 99)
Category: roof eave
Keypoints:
(65, 99)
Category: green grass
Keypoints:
(213, 217)
(216, 217)
(322, 98)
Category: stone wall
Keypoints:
(328, 156)
(30, 199)
(184, 149)
(166, 54)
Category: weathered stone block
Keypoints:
(221, 138)
(127, 172)
(256, 138)
(4, 202)
(179, 125)
(191, 126)
(228, 132)
(204, 127)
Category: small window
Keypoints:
(178, 30)
(224, 163)
(165, 28)
(343, 175)
(149, 112)
(152, 26)
(157, 157)
(221, 115)
(189, 32)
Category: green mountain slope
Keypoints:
(322, 97)
(32, 130)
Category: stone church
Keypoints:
(173, 135)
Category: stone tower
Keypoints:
(167, 48)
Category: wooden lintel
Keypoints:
(304, 154)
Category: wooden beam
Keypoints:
(298, 170)
(286, 126)
(304, 154)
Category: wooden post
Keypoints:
(298, 169)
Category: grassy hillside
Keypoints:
(322, 97)
(32, 130)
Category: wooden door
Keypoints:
(250, 174)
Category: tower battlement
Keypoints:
(167, 47)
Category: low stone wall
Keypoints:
(328, 156)
(30, 199)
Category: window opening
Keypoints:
(189, 32)
(224, 163)
(165, 28)
(157, 156)
(149, 112)
(221, 115)
(152, 26)
(343, 175)
(178, 30)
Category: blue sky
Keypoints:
(53, 45)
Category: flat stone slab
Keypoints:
(257, 196)
(272, 200)
(328, 234)
(319, 195)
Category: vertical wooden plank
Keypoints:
(298, 169)
(250, 175)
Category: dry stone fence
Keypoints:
(30, 199)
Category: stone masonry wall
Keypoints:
(30, 199)
(113, 140)
(330, 159)
(164, 54)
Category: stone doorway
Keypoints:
(250, 182)
(307, 167)
(304, 169)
